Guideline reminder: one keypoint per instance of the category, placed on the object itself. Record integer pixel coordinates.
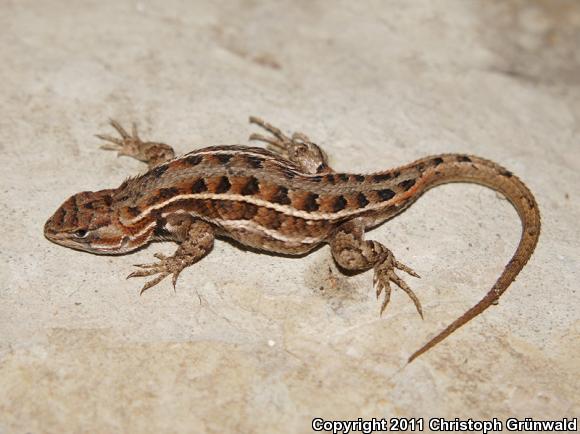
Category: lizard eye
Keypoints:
(81, 233)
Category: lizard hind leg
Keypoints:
(352, 252)
(298, 148)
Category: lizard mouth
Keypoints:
(64, 239)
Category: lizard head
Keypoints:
(86, 221)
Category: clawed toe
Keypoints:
(278, 143)
(272, 144)
(385, 274)
(406, 269)
(127, 144)
(124, 134)
(114, 144)
(268, 127)
(153, 282)
(166, 266)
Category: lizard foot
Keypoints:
(385, 274)
(278, 143)
(127, 144)
(131, 145)
(299, 148)
(167, 265)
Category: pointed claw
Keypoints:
(387, 299)
(133, 274)
(416, 302)
(152, 282)
(403, 285)
(406, 269)
(144, 273)
(174, 280)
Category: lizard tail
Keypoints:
(462, 168)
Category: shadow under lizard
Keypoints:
(285, 199)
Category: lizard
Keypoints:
(282, 199)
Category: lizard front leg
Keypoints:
(352, 252)
(152, 153)
(299, 148)
(195, 238)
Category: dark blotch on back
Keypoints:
(342, 177)
(506, 173)
(133, 211)
(193, 160)
(166, 193)
(224, 158)
(251, 187)
(464, 159)
(385, 194)
(359, 178)
(255, 162)
(339, 204)
(281, 196)
(158, 171)
(406, 185)
(310, 203)
(199, 186)
(75, 209)
(437, 161)
(224, 185)
(362, 200)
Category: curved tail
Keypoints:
(467, 168)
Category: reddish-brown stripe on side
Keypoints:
(274, 193)
(234, 210)
(218, 184)
(305, 201)
(268, 218)
(244, 185)
(332, 203)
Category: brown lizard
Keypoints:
(284, 200)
